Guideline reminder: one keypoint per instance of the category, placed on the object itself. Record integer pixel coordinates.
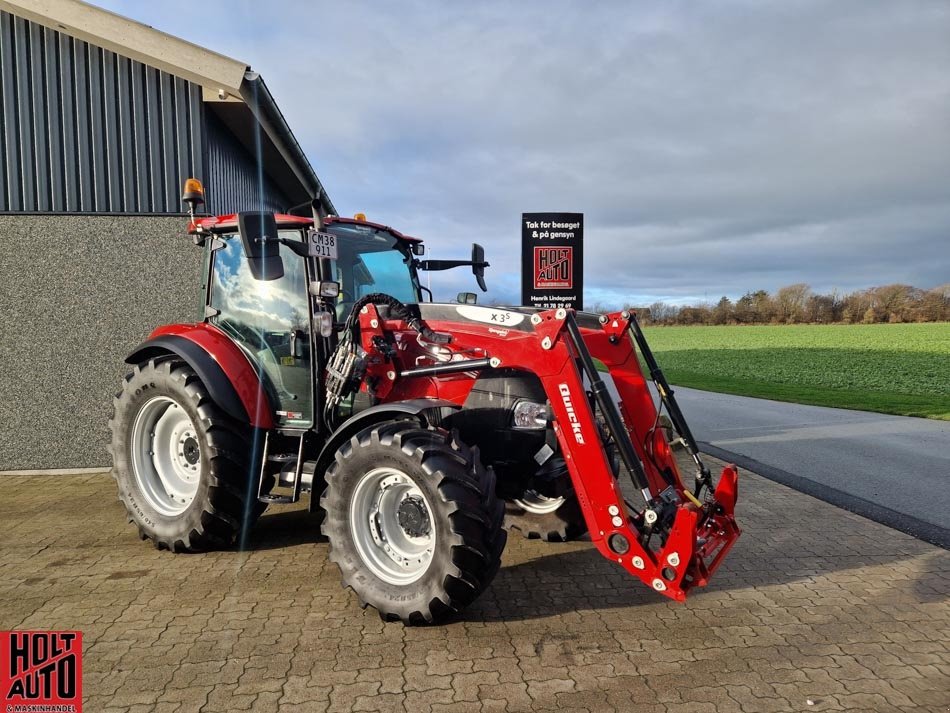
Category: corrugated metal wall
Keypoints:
(83, 129)
(234, 182)
(87, 130)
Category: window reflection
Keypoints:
(270, 320)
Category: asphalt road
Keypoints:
(893, 469)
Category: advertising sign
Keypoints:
(552, 260)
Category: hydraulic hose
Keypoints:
(400, 311)
(703, 476)
(347, 365)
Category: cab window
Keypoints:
(270, 321)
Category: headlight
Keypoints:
(529, 415)
(326, 289)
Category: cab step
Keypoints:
(293, 480)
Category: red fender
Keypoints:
(243, 375)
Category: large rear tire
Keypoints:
(182, 466)
(413, 521)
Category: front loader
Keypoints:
(423, 431)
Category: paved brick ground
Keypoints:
(813, 604)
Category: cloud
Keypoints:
(714, 149)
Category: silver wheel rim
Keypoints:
(391, 553)
(533, 502)
(166, 456)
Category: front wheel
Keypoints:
(182, 466)
(413, 521)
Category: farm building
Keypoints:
(101, 120)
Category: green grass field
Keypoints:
(891, 368)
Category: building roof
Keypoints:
(236, 94)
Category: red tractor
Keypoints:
(427, 429)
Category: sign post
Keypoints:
(552, 260)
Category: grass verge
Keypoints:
(879, 401)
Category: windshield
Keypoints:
(371, 260)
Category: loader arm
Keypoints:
(665, 536)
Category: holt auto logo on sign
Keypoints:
(40, 671)
(553, 268)
(552, 264)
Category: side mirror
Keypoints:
(479, 265)
(261, 246)
(467, 298)
(418, 249)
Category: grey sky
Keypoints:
(714, 148)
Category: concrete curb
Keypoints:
(926, 531)
(58, 471)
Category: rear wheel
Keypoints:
(183, 467)
(413, 521)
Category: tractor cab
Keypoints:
(281, 290)
(281, 301)
(364, 257)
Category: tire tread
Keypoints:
(468, 503)
(226, 512)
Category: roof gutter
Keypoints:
(132, 39)
(260, 101)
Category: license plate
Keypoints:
(322, 245)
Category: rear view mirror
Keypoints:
(467, 298)
(261, 246)
(479, 265)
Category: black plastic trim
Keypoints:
(207, 369)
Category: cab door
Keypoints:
(271, 321)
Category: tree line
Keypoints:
(798, 304)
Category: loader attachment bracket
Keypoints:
(671, 539)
